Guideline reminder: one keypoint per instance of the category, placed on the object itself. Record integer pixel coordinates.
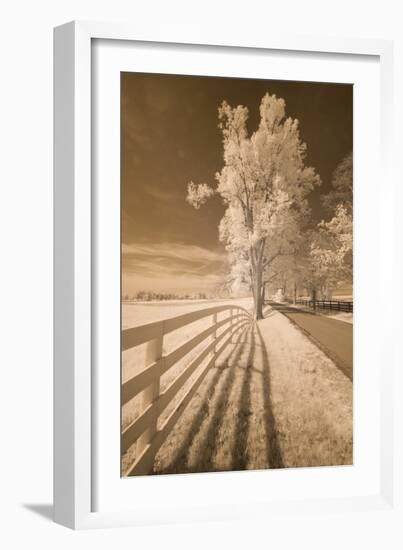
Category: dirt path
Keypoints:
(333, 336)
(273, 400)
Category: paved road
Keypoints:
(334, 337)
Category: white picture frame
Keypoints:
(75, 441)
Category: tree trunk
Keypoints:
(257, 294)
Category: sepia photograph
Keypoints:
(236, 274)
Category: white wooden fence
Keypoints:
(143, 430)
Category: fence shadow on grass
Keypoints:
(205, 461)
(273, 450)
(218, 392)
(240, 448)
(179, 464)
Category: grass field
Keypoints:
(272, 400)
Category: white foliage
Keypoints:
(198, 194)
(342, 186)
(332, 249)
(264, 183)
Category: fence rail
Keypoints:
(143, 430)
(332, 305)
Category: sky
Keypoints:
(170, 136)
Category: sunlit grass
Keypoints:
(272, 400)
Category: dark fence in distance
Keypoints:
(332, 305)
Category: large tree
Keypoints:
(264, 184)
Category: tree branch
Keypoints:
(272, 258)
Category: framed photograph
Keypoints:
(221, 220)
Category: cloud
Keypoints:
(171, 266)
(165, 195)
(180, 251)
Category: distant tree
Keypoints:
(289, 270)
(331, 252)
(342, 186)
(332, 244)
(264, 183)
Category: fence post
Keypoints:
(151, 393)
